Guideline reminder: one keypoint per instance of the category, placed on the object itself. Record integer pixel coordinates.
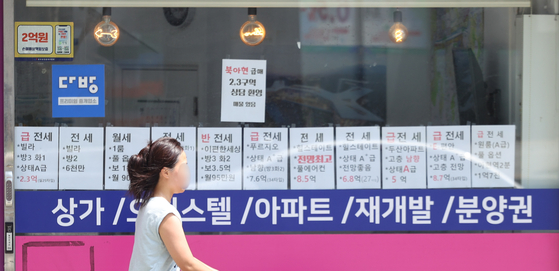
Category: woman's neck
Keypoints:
(162, 191)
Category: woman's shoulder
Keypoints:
(155, 202)
(159, 204)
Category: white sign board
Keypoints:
(219, 159)
(358, 157)
(243, 90)
(265, 155)
(312, 158)
(448, 157)
(81, 158)
(35, 39)
(36, 158)
(120, 144)
(187, 137)
(493, 155)
(403, 157)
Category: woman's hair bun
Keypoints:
(144, 167)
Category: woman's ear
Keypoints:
(164, 173)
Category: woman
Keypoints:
(156, 173)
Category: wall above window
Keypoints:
(282, 3)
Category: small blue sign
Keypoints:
(78, 91)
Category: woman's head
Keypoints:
(162, 160)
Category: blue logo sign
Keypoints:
(78, 91)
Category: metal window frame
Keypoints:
(9, 114)
(8, 42)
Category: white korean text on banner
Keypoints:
(312, 158)
(187, 137)
(403, 157)
(299, 210)
(219, 158)
(81, 158)
(120, 144)
(358, 157)
(448, 157)
(265, 155)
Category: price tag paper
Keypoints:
(493, 155)
(120, 144)
(81, 158)
(403, 157)
(219, 159)
(358, 157)
(36, 158)
(312, 158)
(265, 158)
(243, 90)
(187, 137)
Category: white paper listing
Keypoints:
(493, 154)
(81, 158)
(403, 157)
(36, 158)
(312, 158)
(448, 157)
(219, 159)
(358, 157)
(120, 144)
(187, 137)
(265, 157)
(243, 90)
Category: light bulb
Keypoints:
(106, 32)
(252, 32)
(398, 32)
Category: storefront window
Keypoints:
(328, 125)
(324, 67)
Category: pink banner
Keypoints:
(505, 251)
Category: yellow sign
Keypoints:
(44, 40)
